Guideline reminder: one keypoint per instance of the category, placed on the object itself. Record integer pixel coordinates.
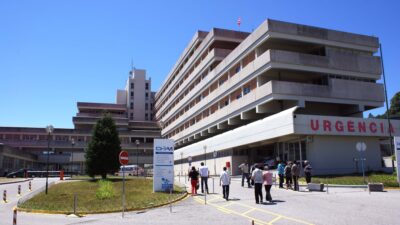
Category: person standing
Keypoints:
(194, 179)
(281, 174)
(288, 175)
(307, 171)
(257, 177)
(225, 181)
(244, 167)
(267, 178)
(295, 175)
(203, 170)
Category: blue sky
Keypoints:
(55, 53)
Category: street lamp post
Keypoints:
(205, 154)
(137, 142)
(49, 130)
(215, 163)
(72, 156)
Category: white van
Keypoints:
(130, 170)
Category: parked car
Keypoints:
(270, 162)
(18, 173)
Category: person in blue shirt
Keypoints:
(281, 173)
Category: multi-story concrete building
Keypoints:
(285, 91)
(68, 145)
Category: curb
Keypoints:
(39, 211)
(13, 182)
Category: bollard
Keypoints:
(61, 174)
(15, 217)
(75, 202)
(252, 222)
(5, 196)
(30, 186)
(327, 188)
(213, 186)
(19, 190)
(205, 197)
(170, 200)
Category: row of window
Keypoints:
(225, 101)
(230, 73)
(146, 86)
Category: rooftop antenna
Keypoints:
(132, 67)
(239, 21)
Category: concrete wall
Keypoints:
(335, 154)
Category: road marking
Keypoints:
(226, 205)
(274, 220)
(251, 209)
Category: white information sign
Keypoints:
(397, 152)
(163, 165)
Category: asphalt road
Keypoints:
(340, 206)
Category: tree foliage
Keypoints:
(394, 109)
(104, 147)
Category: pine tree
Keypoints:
(104, 147)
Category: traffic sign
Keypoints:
(123, 158)
(361, 146)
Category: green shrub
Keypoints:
(105, 190)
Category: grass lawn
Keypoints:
(388, 180)
(138, 196)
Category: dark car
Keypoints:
(18, 173)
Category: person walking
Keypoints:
(267, 178)
(281, 173)
(204, 174)
(257, 177)
(244, 167)
(225, 181)
(295, 175)
(307, 171)
(194, 178)
(288, 175)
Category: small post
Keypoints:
(19, 190)
(15, 216)
(252, 222)
(170, 200)
(30, 185)
(75, 203)
(123, 190)
(327, 188)
(205, 197)
(5, 196)
(213, 185)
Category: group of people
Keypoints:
(291, 172)
(258, 175)
(203, 173)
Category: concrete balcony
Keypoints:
(335, 63)
(286, 60)
(212, 56)
(338, 91)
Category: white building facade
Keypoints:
(285, 91)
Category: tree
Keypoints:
(103, 150)
(394, 109)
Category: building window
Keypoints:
(239, 96)
(131, 116)
(131, 105)
(146, 106)
(132, 85)
(246, 90)
(146, 116)
(147, 86)
(131, 93)
(147, 95)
